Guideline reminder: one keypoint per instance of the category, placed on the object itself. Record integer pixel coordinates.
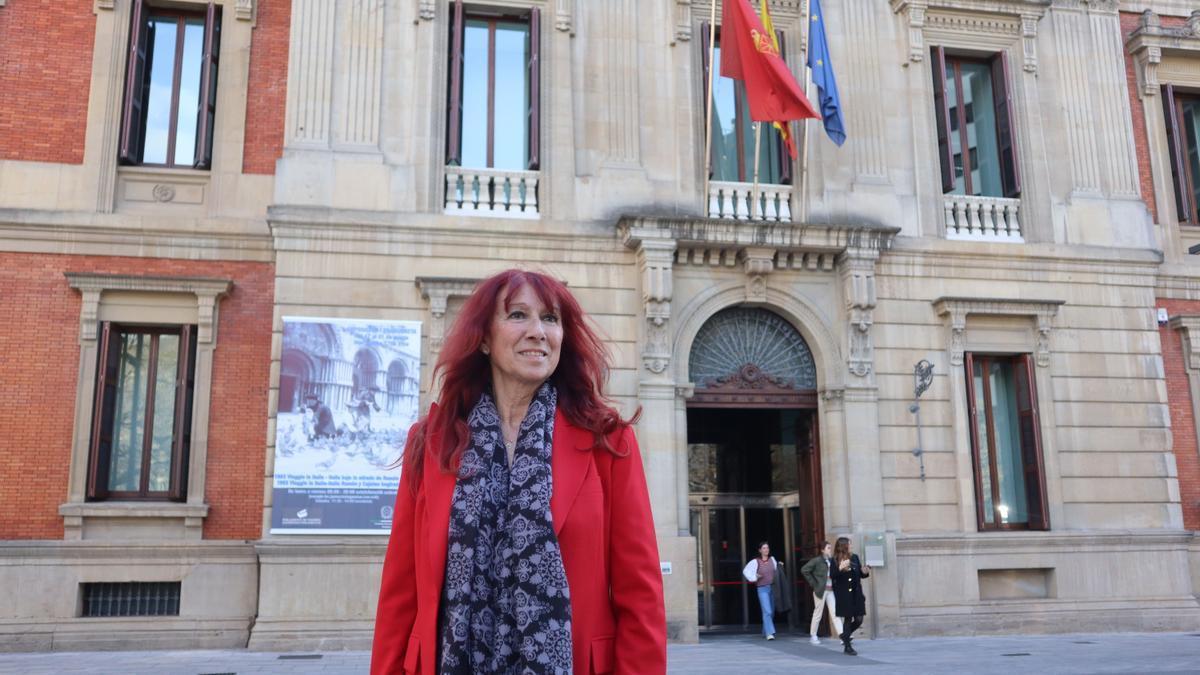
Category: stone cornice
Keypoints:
(1018, 19)
(206, 290)
(736, 234)
(1037, 543)
(1150, 40)
(957, 309)
(439, 290)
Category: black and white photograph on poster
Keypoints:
(348, 392)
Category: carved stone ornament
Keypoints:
(956, 311)
(748, 344)
(1151, 40)
(244, 10)
(757, 262)
(426, 9)
(438, 291)
(100, 4)
(564, 16)
(163, 192)
(858, 286)
(683, 21)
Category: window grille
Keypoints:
(134, 598)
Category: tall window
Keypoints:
(493, 98)
(171, 86)
(1010, 488)
(973, 108)
(141, 424)
(733, 130)
(1182, 113)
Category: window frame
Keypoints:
(1182, 177)
(530, 17)
(1029, 422)
(1008, 164)
(740, 102)
(139, 65)
(100, 446)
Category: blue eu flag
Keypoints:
(822, 74)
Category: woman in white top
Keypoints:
(761, 572)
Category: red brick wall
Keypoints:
(267, 100)
(1129, 23)
(39, 340)
(1183, 424)
(45, 74)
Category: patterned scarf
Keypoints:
(506, 607)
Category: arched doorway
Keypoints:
(753, 460)
(295, 379)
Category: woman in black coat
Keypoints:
(847, 574)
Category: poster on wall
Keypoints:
(348, 392)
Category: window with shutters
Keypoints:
(1010, 486)
(1181, 110)
(493, 98)
(732, 151)
(171, 85)
(141, 421)
(973, 108)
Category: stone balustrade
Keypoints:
(511, 194)
(974, 218)
(733, 201)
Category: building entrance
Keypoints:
(754, 470)
(753, 477)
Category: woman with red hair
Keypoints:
(522, 540)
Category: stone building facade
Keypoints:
(964, 338)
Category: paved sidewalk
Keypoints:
(717, 655)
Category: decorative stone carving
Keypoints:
(100, 4)
(1018, 18)
(747, 347)
(437, 291)
(426, 9)
(655, 255)
(564, 16)
(163, 193)
(92, 286)
(244, 10)
(1151, 40)
(858, 287)
(956, 311)
(1189, 325)
(758, 263)
(683, 21)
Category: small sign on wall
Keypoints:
(874, 547)
(665, 566)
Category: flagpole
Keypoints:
(708, 108)
(804, 136)
(754, 190)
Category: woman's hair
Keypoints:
(821, 546)
(762, 544)
(466, 372)
(841, 549)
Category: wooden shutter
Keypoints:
(705, 51)
(1029, 429)
(973, 421)
(785, 159)
(533, 73)
(181, 439)
(1183, 199)
(130, 148)
(941, 113)
(206, 112)
(454, 105)
(107, 373)
(1010, 173)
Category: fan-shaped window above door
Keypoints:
(751, 357)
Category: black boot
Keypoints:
(846, 647)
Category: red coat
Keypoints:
(618, 622)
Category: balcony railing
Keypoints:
(733, 201)
(493, 192)
(973, 218)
